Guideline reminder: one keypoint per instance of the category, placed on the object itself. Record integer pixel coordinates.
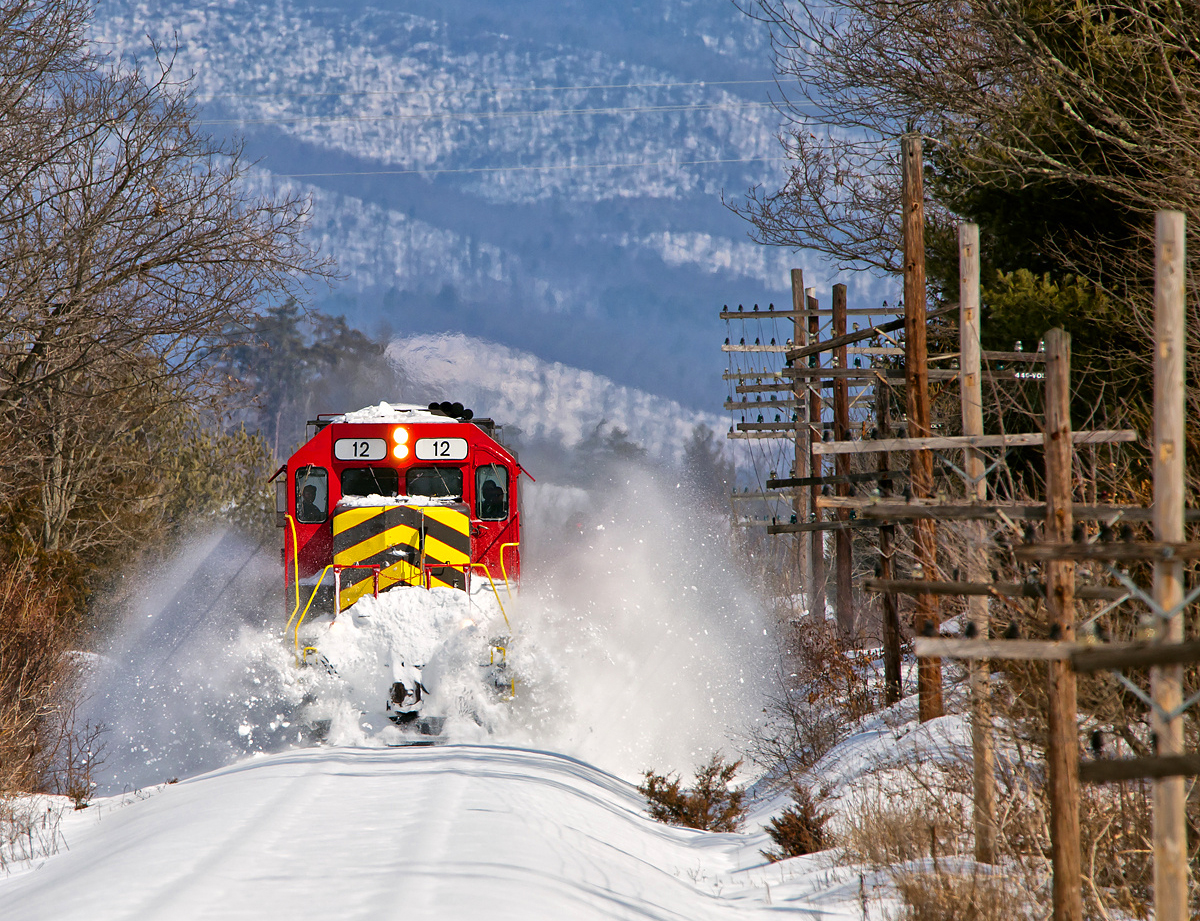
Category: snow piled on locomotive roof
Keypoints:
(374, 501)
(386, 412)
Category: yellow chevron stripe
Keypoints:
(348, 518)
(401, 571)
(444, 552)
(450, 517)
(435, 582)
(355, 592)
(401, 535)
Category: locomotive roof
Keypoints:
(393, 413)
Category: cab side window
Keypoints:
(312, 494)
(491, 492)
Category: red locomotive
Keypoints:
(399, 495)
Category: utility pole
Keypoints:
(802, 464)
(887, 542)
(817, 546)
(971, 393)
(1166, 681)
(841, 432)
(1062, 749)
(916, 378)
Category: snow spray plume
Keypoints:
(661, 652)
(196, 675)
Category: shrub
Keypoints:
(34, 676)
(710, 805)
(823, 689)
(799, 829)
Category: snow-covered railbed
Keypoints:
(458, 831)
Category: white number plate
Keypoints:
(441, 449)
(367, 449)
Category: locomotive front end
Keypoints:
(395, 497)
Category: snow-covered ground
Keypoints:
(631, 647)
(453, 832)
(458, 831)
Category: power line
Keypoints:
(477, 92)
(468, 116)
(519, 169)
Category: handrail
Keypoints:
(337, 580)
(464, 567)
(503, 571)
(492, 583)
(311, 597)
(295, 559)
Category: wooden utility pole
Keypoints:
(971, 395)
(816, 556)
(802, 466)
(1062, 749)
(887, 542)
(1170, 334)
(916, 378)
(841, 432)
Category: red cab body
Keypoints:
(388, 456)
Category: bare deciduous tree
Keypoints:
(131, 249)
(1100, 102)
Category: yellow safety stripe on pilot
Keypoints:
(378, 534)
(401, 573)
(401, 536)
(447, 540)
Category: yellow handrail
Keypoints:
(492, 582)
(503, 571)
(304, 613)
(295, 563)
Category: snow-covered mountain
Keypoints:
(543, 176)
(547, 401)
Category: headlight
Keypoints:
(400, 451)
(400, 436)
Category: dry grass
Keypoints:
(943, 896)
(924, 838)
(28, 830)
(42, 750)
(884, 832)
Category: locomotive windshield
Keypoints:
(370, 481)
(435, 482)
